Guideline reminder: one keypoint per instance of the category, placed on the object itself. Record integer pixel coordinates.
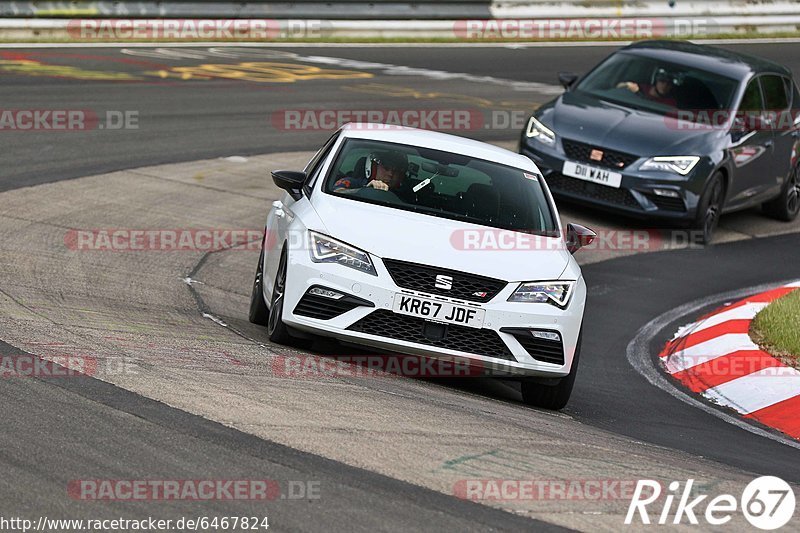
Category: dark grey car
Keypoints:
(676, 131)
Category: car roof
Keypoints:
(436, 141)
(709, 58)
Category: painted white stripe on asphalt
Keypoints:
(388, 69)
(744, 312)
(757, 390)
(794, 284)
(707, 351)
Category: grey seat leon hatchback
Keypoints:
(673, 131)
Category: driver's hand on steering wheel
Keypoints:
(632, 86)
(378, 184)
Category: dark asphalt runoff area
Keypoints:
(58, 432)
(88, 426)
(189, 119)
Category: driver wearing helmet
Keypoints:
(383, 170)
(661, 91)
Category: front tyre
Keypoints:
(278, 331)
(259, 314)
(709, 209)
(556, 396)
(786, 206)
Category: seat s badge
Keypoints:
(444, 282)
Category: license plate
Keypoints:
(593, 174)
(438, 311)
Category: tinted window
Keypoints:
(632, 80)
(775, 94)
(314, 166)
(751, 101)
(442, 185)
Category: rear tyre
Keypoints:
(709, 210)
(259, 314)
(556, 396)
(786, 206)
(278, 331)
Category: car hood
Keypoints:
(603, 124)
(407, 236)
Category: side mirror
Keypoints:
(291, 181)
(738, 129)
(579, 236)
(566, 79)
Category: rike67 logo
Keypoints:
(767, 503)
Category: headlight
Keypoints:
(540, 132)
(327, 250)
(556, 293)
(682, 164)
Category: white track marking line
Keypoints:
(757, 390)
(388, 69)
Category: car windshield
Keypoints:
(657, 86)
(441, 184)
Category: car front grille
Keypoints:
(561, 183)
(583, 152)
(384, 323)
(545, 350)
(422, 278)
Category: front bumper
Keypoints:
(496, 346)
(636, 195)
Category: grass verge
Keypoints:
(777, 328)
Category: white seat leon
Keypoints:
(415, 242)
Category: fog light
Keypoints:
(325, 293)
(546, 335)
(669, 193)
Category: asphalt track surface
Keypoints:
(87, 425)
(184, 120)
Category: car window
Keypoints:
(752, 103)
(441, 184)
(314, 166)
(795, 96)
(658, 86)
(775, 96)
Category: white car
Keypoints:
(422, 243)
